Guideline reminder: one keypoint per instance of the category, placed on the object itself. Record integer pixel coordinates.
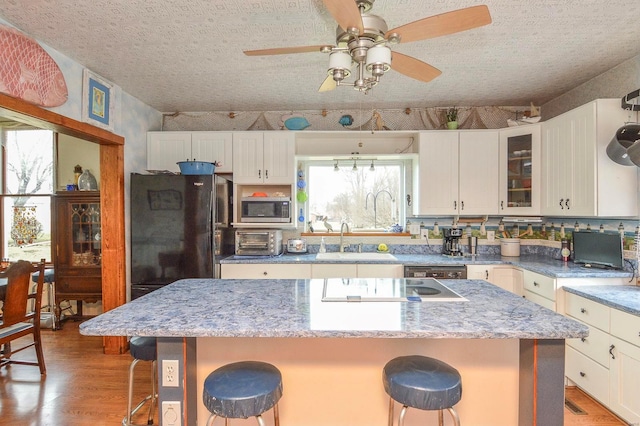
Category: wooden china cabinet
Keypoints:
(78, 248)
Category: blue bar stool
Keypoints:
(423, 383)
(142, 349)
(49, 308)
(241, 390)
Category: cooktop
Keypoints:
(387, 290)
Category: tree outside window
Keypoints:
(368, 199)
(26, 194)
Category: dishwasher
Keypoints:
(449, 272)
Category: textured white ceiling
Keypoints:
(186, 55)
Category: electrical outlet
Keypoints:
(170, 373)
(171, 413)
(424, 233)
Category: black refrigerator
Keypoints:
(180, 228)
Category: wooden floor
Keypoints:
(84, 387)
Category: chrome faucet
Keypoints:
(342, 245)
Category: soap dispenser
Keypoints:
(323, 247)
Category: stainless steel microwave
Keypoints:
(265, 209)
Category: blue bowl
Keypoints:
(196, 167)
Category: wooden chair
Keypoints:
(16, 320)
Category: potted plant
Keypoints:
(452, 118)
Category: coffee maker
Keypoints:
(451, 242)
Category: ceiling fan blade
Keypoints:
(414, 68)
(346, 13)
(285, 50)
(328, 84)
(443, 24)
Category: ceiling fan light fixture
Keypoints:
(378, 60)
(339, 65)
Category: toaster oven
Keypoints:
(259, 242)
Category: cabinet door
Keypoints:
(478, 173)
(165, 149)
(213, 147)
(438, 174)
(267, 271)
(556, 166)
(582, 195)
(334, 270)
(587, 374)
(248, 157)
(520, 149)
(279, 152)
(624, 383)
(366, 270)
(479, 272)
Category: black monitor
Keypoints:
(598, 250)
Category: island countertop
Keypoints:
(293, 308)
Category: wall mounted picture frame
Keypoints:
(97, 101)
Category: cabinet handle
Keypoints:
(583, 310)
(566, 203)
(582, 374)
(501, 205)
(259, 174)
(486, 274)
(455, 205)
(535, 284)
(583, 339)
(266, 175)
(461, 205)
(264, 273)
(561, 200)
(611, 348)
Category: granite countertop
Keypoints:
(294, 309)
(534, 263)
(623, 297)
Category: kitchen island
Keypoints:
(509, 351)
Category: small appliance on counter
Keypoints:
(451, 243)
(296, 245)
(259, 242)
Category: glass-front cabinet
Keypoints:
(78, 247)
(520, 170)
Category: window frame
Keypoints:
(407, 170)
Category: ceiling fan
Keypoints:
(363, 40)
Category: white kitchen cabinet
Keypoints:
(264, 157)
(458, 172)
(540, 289)
(165, 149)
(506, 277)
(606, 363)
(578, 178)
(520, 170)
(265, 270)
(624, 383)
(356, 270)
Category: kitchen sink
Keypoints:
(355, 256)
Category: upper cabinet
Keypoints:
(165, 149)
(578, 178)
(264, 158)
(458, 172)
(520, 188)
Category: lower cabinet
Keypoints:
(539, 289)
(356, 270)
(506, 277)
(308, 270)
(624, 366)
(265, 270)
(606, 363)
